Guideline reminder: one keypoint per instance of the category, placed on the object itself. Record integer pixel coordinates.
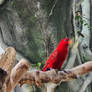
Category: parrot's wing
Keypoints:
(51, 59)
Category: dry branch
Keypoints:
(54, 76)
(10, 76)
(6, 64)
(17, 72)
(7, 59)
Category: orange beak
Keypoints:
(69, 42)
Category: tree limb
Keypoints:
(7, 59)
(17, 72)
(54, 76)
(20, 74)
(6, 64)
(10, 76)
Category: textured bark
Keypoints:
(17, 72)
(7, 59)
(6, 62)
(54, 76)
(10, 76)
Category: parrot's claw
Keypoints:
(66, 71)
(48, 69)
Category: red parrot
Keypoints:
(58, 56)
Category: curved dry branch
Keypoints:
(54, 76)
(7, 59)
(17, 72)
(10, 76)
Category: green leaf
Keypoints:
(38, 64)
(84, 58)
(81, 21)
(77, 17)
(85, 24)
(80, 34)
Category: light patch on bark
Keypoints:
(85, 30)
(84, 42)
(1, 2)
(50, 87)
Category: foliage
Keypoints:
(82, 20)
(37, 65)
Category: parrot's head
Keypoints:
(66, 42)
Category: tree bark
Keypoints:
(54, 76)
(17, 72)
(10, 76)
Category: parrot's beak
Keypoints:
(70, 42)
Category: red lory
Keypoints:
(58, 56)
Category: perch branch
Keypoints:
(54, 76)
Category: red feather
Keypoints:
(58, 56)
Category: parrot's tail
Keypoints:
(46, 68)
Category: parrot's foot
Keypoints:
(48, 69)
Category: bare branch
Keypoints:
(6, 64)
(54, 76)
(51, 12)
(17, 72)
(20, 74)
(7, 59)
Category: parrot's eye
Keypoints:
(66, 40)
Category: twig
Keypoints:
(51, 12)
